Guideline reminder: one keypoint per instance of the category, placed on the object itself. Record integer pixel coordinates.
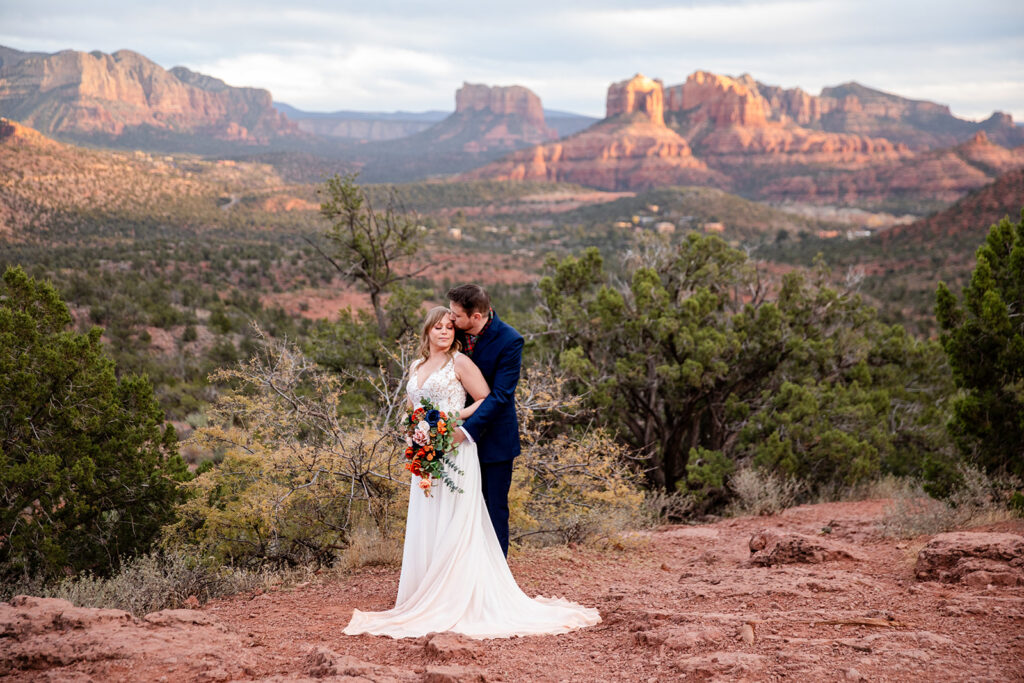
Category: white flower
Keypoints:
(423, 426)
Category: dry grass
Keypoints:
(914, 513)
(156, 581)
(759, 492)
(368, 548)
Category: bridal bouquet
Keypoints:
(428, 435)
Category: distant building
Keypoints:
(455, 233)
(665, 228)
(828, 234)
(714, 227)
(623, 224)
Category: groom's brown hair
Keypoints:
(472, 298)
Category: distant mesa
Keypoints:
(495, 117)
(96, 96)
(359, 125)
(514, 100)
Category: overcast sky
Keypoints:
(384, 55)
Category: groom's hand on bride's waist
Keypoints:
(461, 435)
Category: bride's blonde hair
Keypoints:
(433, 315)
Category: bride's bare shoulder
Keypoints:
(463, 364)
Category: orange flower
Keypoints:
(441, 429)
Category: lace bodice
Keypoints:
(442, 387)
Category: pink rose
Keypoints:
(420, 437)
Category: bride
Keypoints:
(454, 574)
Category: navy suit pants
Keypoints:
(496, 480)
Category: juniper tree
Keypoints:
(983, 337)
(88, 469)
(700, 367)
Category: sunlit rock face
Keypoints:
(639, 94)
(71, 92)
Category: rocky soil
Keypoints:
(812, 594)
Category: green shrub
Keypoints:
(88, 470)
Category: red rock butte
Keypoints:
(513, 100)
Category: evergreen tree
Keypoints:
(88, 470)
(702, 368)
(984, 340)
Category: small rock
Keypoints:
(747, 634)
(451, 645)
(769, 547)
(454, 674)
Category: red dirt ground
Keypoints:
(674, 603)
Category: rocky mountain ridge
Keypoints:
(97, 96)
(848, 144)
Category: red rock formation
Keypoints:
(513, 100)
(720, 100)
(738, 131)
(631, 149)
(73, 93)
(638, 94)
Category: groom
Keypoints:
(497, 349)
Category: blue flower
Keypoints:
(432, 417)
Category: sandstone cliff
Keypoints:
(96, 95)
(630, 149)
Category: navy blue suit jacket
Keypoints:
(494, 426)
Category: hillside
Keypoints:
(942, 175)
(816, 593)
(62, 192)
(901, 267)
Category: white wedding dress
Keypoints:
(454, 575)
